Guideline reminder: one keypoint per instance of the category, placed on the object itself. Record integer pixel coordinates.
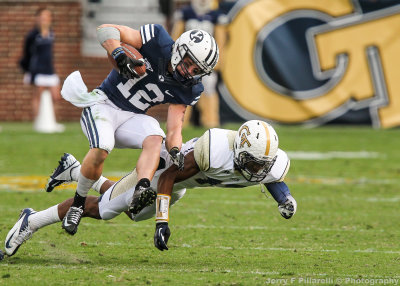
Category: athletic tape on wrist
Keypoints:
(106, 33)
(162, 208)
(117, 52)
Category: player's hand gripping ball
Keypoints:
(130, 64)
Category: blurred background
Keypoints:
(332, 64)
(285, 61)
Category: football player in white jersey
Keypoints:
(114, 113)
(220, 157)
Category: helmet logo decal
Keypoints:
(196, 36)
(244, 132)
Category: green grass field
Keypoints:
(345, 231)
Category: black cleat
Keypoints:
(142, 197)
(72, 219)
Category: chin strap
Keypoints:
(263, 191)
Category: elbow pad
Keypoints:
(106, 33)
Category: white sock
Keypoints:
(97, 185)
(75, 173)
(84, 185)
(43, 218)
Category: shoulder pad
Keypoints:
(202, 151)
(152, 31)
(280, 168)
(215, 149)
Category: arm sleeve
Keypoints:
(279, 191)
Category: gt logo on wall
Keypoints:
(307, 61)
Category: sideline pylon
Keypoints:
(46, 122)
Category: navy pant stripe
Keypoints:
(94, 128)
(89, 128)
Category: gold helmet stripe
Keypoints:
(268, 145)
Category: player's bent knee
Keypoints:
(97, 156)
(152, 141)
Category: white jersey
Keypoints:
(213, 153)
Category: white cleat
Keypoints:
(63, 172)
(20, 233)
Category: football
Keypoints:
(132, 53)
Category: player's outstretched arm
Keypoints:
(287, 205)
(165, 184)
(176, 113)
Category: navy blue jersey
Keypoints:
(204, 22)
(156, 86)
(38, 53)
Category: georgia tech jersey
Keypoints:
(213, 153)
(155, 86)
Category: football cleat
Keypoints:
(72, 219)
(63, 172)
(288, 208)
(142, 197)
(20, 233)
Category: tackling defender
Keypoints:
(220, 157)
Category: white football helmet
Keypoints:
(255, 148)
(201, 47)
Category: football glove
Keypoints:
(126, 65)
(161, 236)
(177, 158)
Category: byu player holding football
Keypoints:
(114, 113)
(223, 158)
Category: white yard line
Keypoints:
(314, 155)
(282, 249)
(335, 181)
(233, 227)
